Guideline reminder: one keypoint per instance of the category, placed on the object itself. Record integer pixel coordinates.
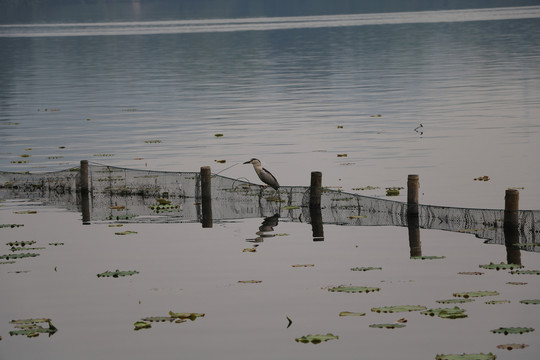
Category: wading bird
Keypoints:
(265, 175)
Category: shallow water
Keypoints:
(185, 268)
(280, 93)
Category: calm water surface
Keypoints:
(278, 89)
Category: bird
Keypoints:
(265, 175)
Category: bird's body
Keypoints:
(265, 175)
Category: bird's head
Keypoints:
(253, 161)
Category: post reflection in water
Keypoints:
(316, 223)
(413, 224)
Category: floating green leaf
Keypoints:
(127, 232)
(454, 301)
(316, 339)
(56, 244)
(303, 265)
(10, 225)
(468, 294)
(30, 327)
(25, 212)
(218, 135)
(354, 289)
(400, 308)
(470, 273)
(512, 330)
(249, 281)
(366, 268)
(530, 302)
(512, 346)
(525, 272)
(387, 326)
(152, 141)
(494, 302)
(516, 283)
(190, 316)
(427, 257)
(20, 243)
(117, 273)
(480, 356)
(291, 207)
(162, 319)
(446, 313)
(18, 256)
(142, 325)
(501, 266)
(165, 208)
(348, 313)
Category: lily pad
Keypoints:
(163, 319)
(469, 294)
(10, 225)
(316, 339)
(117, 273)
(142, 325)
(454, 301)
(25, 212)
(20, 243)
(400, 308)
(303, 265)
(291, 207)
(18, 256)
(525, 272)
(494, 302)
(249, 281)
(387, 326)
(512, 346)
(501, 266)
(512, 330)
(30, 327)
(480, 356)
(349, 313)
(516, 283)
(190, 316)
(446, 313)
(470, 273)
(427, 257)
(127, 232)
(366, 268)
(530, 302)
(354, 289)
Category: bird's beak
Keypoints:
(248, 162)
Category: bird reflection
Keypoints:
(265, 229)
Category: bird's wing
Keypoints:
(273, 177)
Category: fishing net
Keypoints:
(156, 196)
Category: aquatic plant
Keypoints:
(530, 302)
(303, 265)
(454, 301)
(117, 273)
(501, 266)
(366, 268)
(249, 281)
(152, 141)
(494, 302)
(127, 232)
(18, 256)
(525, 272)
(427, 257)
(480, 356)
(316, 339)
(393, 191)
(349, 313)
(470, 273)
(354, 289)
(20, 243)
(476, 294)
(446, 313)
(387, 326)
(512, 330)
(10, 225)
(31, 327)
(399, 308)
(512, 346)
(141, 325)
(25, 212)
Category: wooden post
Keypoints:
(84, 176)
(412, 194)
(511, 224)
(511, 208)
(206, 196)
(315, 190)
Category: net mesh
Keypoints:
(157, 196)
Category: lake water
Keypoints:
(298, 93)
(279, 90)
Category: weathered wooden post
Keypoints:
(206, 196)
(315, 190)
(511, 226)
(83, 173)
(412, 194)
(511, 208)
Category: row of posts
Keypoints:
(511, 203)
